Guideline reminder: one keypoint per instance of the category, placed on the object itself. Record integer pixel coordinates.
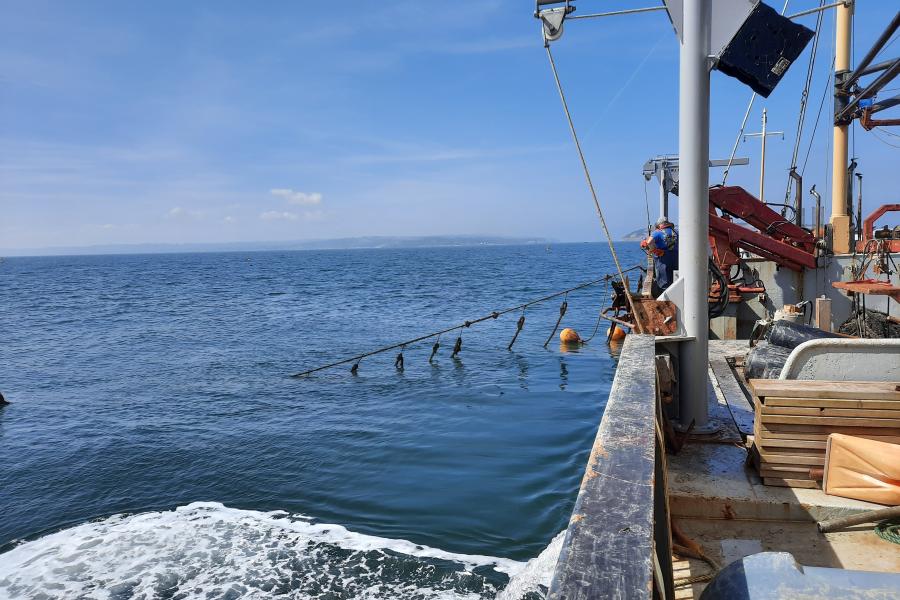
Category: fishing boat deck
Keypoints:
(720, 502)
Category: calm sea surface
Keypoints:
(158, 386)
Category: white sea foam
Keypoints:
(535, 577)
(207, 550)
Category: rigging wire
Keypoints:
(804, 98)
(587, 176)
(884, 141)
(459, 327)
(818, 116)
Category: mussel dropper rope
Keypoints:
(493, 315)
(587, 176)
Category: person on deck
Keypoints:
(663, 244)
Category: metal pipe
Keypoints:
(859, 178)
(876, 67)
(803, 13)
(616, 13)
(840, 220)
(818, 219)
(762, 158)
(873, 51)
(885, 103)
(663, 192)
(693, 245)
(858, 519)
(882, 80)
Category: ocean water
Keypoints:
(156, 447)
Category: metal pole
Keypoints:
(693, 183)
(762, 160)
(663, 192)
(840, 220)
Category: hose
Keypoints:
(718, 307)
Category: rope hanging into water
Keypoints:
(458, 345)
(587, 176)
(562, 312)
(519, 325)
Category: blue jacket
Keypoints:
(667, 240)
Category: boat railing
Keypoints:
(618, 543)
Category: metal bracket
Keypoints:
(552, 20)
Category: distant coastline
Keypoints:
(354, 243)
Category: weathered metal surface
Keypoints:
(844, 360)
(608, 549)
(776, 575)
(657, 316)
(738, 403)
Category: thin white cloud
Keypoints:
(297, 198)
(275, 215)
(229, 219)
(184, 214)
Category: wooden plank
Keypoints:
(797, 388)
(785, 472)
(794, 450)
(830, 421)
(766, 437)
(765, 442)
(792, 483)
(739, 405)
(811, 411)
(791, 459)
(773, 401)
(608, 548)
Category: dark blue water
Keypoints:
(148, 382)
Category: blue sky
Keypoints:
(127, 122)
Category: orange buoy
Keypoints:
(569, 336)
(617, 334)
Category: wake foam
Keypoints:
(207, 550)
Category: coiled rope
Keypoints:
(587, 176)
(458, 345)
(889, 531)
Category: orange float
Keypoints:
(569, 336)
(617, 334)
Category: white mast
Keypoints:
(762, 157)
(693, 244)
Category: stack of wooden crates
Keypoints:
(795, 417)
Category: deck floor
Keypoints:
(720, 502)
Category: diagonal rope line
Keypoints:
(587, 176)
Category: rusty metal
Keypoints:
(869, 123)
(775, 238)
(868, 229)
(871, 287)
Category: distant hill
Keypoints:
(635, 236)
(371, 242)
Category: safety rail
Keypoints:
(618, 544)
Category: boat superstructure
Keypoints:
(708, 479)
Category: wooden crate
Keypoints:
(793, 419)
